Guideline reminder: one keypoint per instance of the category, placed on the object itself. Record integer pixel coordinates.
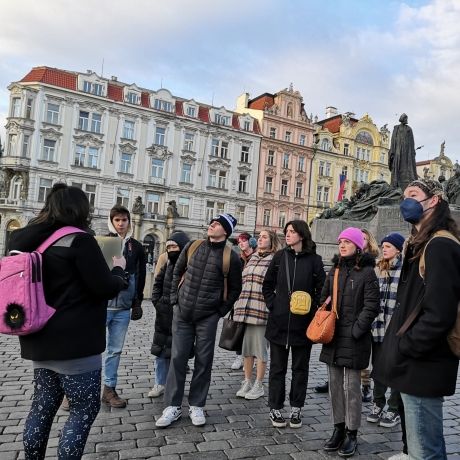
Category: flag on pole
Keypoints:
(342, 182)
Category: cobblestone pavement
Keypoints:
(236, 428)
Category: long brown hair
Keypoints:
(372, 245)
(275, 243)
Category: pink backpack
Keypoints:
(23, 308)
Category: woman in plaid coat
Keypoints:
(251, 309)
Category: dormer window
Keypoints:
(133, 98)
(91, 83)
(222, 119)
(191, 111)
(161, 104)
(93, 88)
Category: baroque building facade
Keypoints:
(347, 152)
(439, 168)
(286, 153)
(174, 162)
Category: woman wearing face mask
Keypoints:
(251, 309)
(349, 351)
(388, 270)
(415, 357)
(162, 338)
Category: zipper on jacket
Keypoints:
(292, 290)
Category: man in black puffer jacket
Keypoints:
(198, 305)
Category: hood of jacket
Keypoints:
(366, 260)
(113, 232)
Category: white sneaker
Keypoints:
(170, 414)
(156, 391)
(197, 415)
(238, 363)
(256, 391)
(245, 388)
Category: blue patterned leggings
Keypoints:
(83, 392)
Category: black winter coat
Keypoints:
(161, 296)
(358, 305)
(420, 363)
(202, 291)
(77, 283)
(283, 327)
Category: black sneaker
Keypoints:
(375, 415)
(277, 419)
(390, 419)
(296, 417)
(324, 388)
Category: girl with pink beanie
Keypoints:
(349, 351)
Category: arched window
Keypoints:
(325, 144)
(151, 249)
(16, 188)
(364, 137)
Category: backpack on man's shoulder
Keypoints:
(453, 338)
(225, 262)
(23, 308)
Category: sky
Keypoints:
(377, 57)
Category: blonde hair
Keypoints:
(372, 245)
(275, 243)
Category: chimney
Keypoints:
(242, 102)
(331, 111)
(114, 78)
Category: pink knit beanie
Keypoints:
(353, 234)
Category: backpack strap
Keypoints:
(226, 268)
(57, 235)
(190, 251)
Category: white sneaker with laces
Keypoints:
(197, 415)
(238, 363)
(156, 391)
(170, 414)
(245, 388)
(256, 391)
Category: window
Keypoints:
(25, 146)
(183, 206)
(128, 129)
(49, 147)
(159, 104)
(188, 141)
(43, 188)
(271, 158)
(90, 191)
(286, 161)
(79, 155)
(244, 154)
(345, 171)
(284, 187)
(86, 156)
(89, 122)
(153, 203)
(16, 186)
(301, 164)
(93, 88)
(325, 145)
(160, 135)
(157, 168)
(287, 136)
(212, 178)
(209, 210)
(382, 157)
(123, 197)
(282, 219)
(302, 139)
(268, 184)
(222, 119)
(29, 108)
(326, 194)
(12, 141)
(126, 162)
(191, 111)
(327, 169)
(247, 125)
(93, 157)
(219, 148)
(133, 98)
(16, 107)
(186, 173)
(224, 150)
(220, 207)
(346, 149)
(266, 218)
(52, 113)
(319, 193)
(222, 180)
(298, 189)
(297, 216)
(240, 214)
(272, 133)
(242, 183)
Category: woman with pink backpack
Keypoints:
(66, 352)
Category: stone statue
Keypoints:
(452, 187)
(443, 146)
(171, 211)
(401, 157)
(138, 207)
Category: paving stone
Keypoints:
(246, 452)
(213, 445)
(144, 452)
(181, 448)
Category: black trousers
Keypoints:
(277, 377)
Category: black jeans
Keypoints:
(277, 377)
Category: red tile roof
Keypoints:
(333, 124)
(145, 100)
(115, 92)
(261, 102)
(203, 114)
(52, 76)
(235, 121)
(180, 108)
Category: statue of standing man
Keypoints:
(401, 157)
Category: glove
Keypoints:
(125, 280)
(136, 310)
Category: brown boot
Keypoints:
(110, 397)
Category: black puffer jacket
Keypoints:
(201, 294)
(420, 363)
(283, 327)
(358, 305)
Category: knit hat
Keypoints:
(396, 239)
(353, 234)
(429, 186)
(178, 237)
(227, 221)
